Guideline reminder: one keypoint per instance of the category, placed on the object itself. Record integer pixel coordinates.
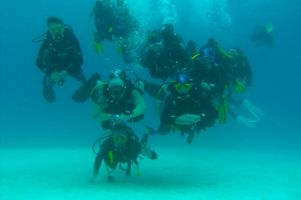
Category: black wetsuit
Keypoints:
(64, 55)
(240, 69)
(59, 56)
(127, 153)
(261, 37)
(104, 19)
(170, 60)
(125, 105)
(190, 103)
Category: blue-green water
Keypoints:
(27, 120)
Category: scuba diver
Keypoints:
(59, 56)
(208, 69)
(122, 146)
(185, 109)
(103, 19)
(239, 67)
(262, 35)
(239, 76)
(114, 22)
(164, 54)
(121, 95)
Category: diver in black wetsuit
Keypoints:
(59, 56)
(164, 53)
(121, 147)
(262, 35)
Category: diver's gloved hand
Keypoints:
(63, 74)
(115, 120)
(187, 119)
(207, 86)
(251, 123)
(55, 76)
(124, 117)
(256, 112)
(58, 76)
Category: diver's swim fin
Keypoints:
(49, 94)
(83, 93)
(99, 48)
(223, 111)
(150, 130)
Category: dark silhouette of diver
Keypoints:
(262, 35)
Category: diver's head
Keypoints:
(115, 73)
(235, 51)
(119, 136)
(56, 28)
(167, 31)
(207, 57)
(183, 84)
(116, 88)
(154, 37)
(157, 47)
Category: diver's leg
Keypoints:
(235, 102)
(97, 164)
(254, 110)
(144, 139)
(128, 169)
(190, 137)
(48, 91)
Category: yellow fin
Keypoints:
(99, 48)
(196, 56)
(222, 111)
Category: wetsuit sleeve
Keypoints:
(139, 104)
(41, 60)
(100, 114)
(134, 148)
(249, 75)
(168, 116)
(77, 57)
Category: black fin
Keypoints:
(83, 93)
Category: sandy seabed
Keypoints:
(184, 173)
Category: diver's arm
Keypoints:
(77, 57)
(140, 104)
(98, 108)
(40, 61)
(78, 53)
(99, 114)
(128, 169)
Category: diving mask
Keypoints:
(183, 88)
(56, 30)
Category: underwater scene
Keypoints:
(144, 99)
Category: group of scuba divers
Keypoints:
(200, 85)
